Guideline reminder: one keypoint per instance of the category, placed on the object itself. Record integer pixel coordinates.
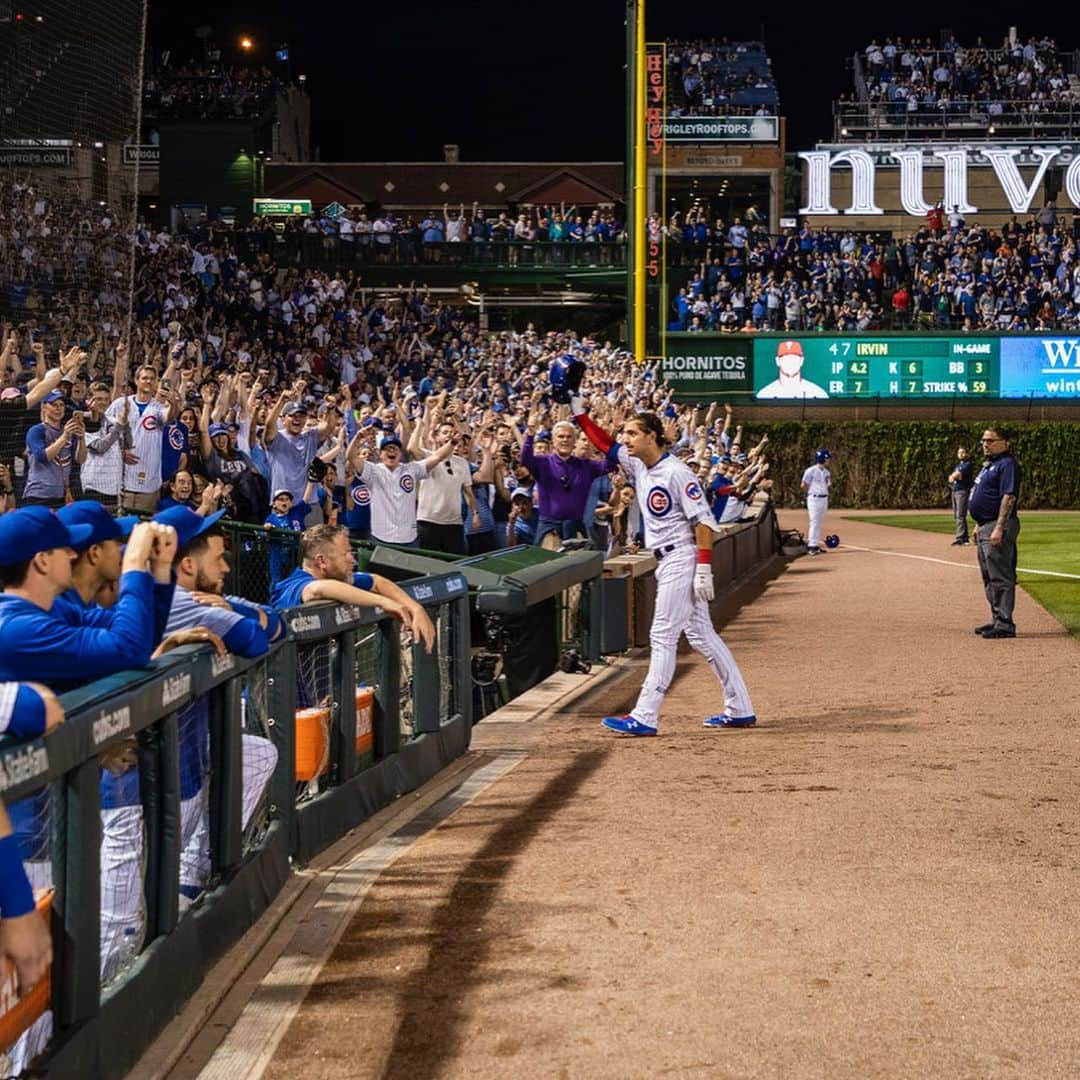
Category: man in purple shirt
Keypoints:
(562, 483)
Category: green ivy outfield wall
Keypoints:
(802, 369)
(904, 464)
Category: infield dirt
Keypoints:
(879, 880)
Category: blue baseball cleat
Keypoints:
(723, 720)
(627, 725)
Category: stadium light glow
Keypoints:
(247, 44)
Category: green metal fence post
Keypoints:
(462, 665)
(226, 781)
(166, 864)
(79, 898)
(386, 725)
(426, 690)
(281, 721)
(343, 717)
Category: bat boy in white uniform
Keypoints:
(815, 482)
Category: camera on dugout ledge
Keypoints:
(487, 665)
(573, 663)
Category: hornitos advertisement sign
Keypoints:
(821, 367)
(958, 162)
(698, 366)
(722, 129)
(282, 207)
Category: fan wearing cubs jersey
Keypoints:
(393, 485)
(679, 531)
(146, 415)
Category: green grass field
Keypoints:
(1048, 541)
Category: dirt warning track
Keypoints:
(879, 880)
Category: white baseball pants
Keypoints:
(816, 508)
(679, 611)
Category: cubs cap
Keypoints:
(218, 429)
(789, 348)
(187, 523)
(282, 491)
(822, 455)
(389, 440)
(32, 529)
(51, 396)
(294, 408)
(103, 525)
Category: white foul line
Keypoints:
(250, 1045)
(963, 566)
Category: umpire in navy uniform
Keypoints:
(993, 505)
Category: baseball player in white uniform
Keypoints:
(679, 530)
(815, 482)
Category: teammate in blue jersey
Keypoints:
(35, 568)
(327, 571)
(246, 629)
(36, 642)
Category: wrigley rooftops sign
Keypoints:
(956, 161)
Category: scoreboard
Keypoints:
(857, 366)
(850, 367)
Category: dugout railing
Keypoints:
(167, 810)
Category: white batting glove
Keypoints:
(577, 405)
(703, 583)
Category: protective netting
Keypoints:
(70, 106)
(405, 687)
(123, 861)
(193, 723)
(445, 643)
(314, 702)
(366, 659)
(258, 559)
(259, 754)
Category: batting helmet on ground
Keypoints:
(832, 540)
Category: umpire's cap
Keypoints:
(26, 532)
(103, 525)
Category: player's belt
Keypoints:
(659, 553)
(819, 496)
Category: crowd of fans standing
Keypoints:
(1017, 78)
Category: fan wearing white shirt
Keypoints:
(394, 485)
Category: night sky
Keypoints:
(520, 82)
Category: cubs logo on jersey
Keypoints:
(408, 484)
(176, 439)
(361, 495)
(149, 422)
(658, 501)
(693, 491)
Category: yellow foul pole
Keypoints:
(639, 231)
